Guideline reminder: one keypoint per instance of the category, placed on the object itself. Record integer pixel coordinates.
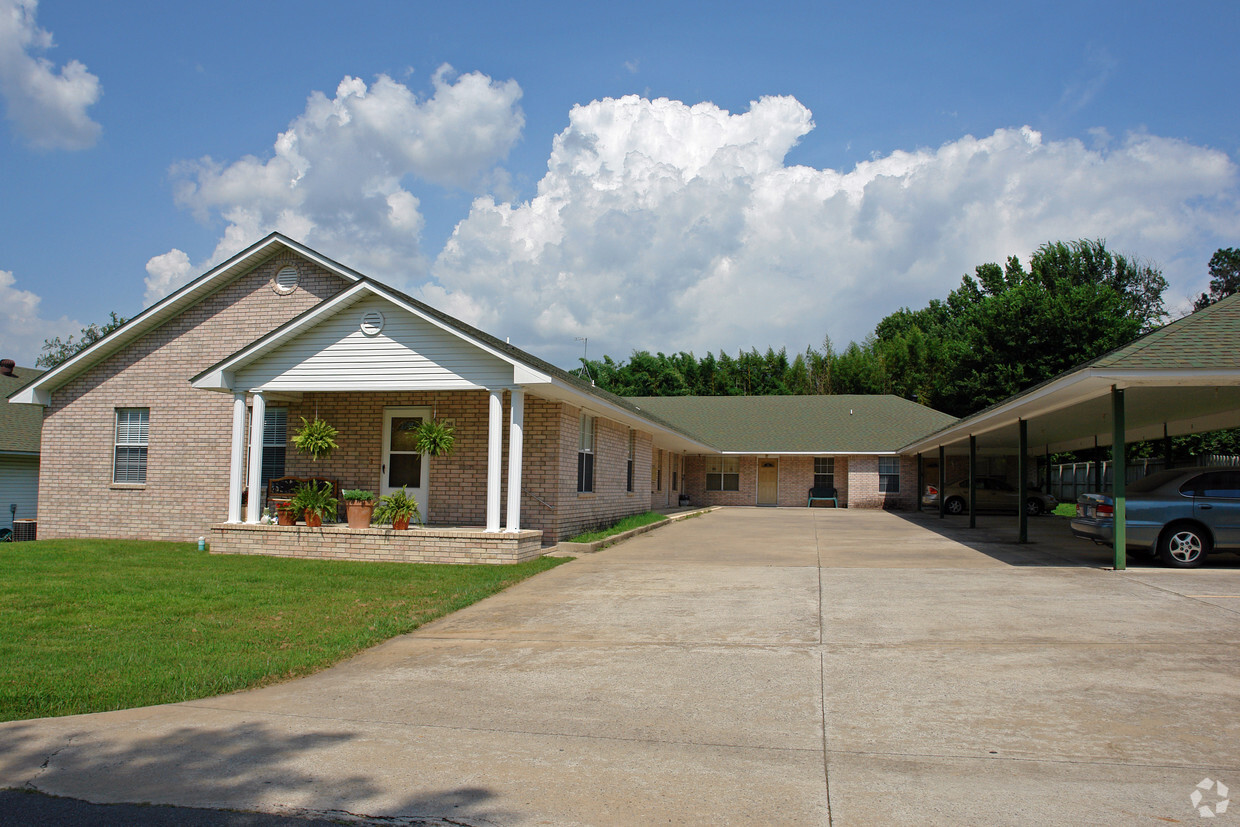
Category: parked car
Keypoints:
(1181, 515)
(993, 494)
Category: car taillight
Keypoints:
(932, 491)
(1105, 511)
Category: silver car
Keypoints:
(993, 494)
(1181, 515)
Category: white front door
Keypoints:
(402, 465)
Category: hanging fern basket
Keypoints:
(436, 438)
(317, 438)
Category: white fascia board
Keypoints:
(836, 453)
(32, 394)
(1062, 393)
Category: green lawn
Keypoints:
(627, 524)
(1065, 509)
(92, 625)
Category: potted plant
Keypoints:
(317, 438)
(397, 508)
(435, 437)
(285, 514)
(360, 506)
(315, 501)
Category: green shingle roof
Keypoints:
(798, 424)
(1207, 339)
(20, 425)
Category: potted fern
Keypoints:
(397, 508)
(359, 505)
(315, 501)
(317, 438)
(435, 437)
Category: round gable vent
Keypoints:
(286, 279)
(372, 322)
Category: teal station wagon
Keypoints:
(1182, 514)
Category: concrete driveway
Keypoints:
(747, 666)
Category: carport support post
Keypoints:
(942, 480)
(921, 481)
(1022, 483)
(972, 481)
(1119, 474)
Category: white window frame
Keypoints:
(829, 464)
(129, 437)
(632, 451)
(724, 470)
(887, 477)
(585, 455)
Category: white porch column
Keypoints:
(236, 469)
(257, 414)
(495, 427)
(516, 422)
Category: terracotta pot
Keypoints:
(400, 523)
(313, 518)
(285, 516)
(360, 513)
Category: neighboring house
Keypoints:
(770, 450)
(162, 428)
(19, 449)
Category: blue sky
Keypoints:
(485, 157)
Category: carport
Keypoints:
(1183, 378)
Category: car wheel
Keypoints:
(1183, 546)
(954, 505)
(1033, 506)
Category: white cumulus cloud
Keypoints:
(22, 331)
(47, 106)
(666, 226)
(340, 177)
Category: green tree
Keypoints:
(1224, 277)
(56, 351)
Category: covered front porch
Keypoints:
(370, 361)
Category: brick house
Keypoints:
(770, 450)
(169, 427)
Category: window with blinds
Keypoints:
(275, 442)
(129, 457)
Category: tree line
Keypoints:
(1004, 329)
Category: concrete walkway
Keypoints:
(747, 666)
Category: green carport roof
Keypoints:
(843, 424)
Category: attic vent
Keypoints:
(372, 322)
(286, 279)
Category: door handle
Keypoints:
(1205, 506)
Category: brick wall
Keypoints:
(610, 501)
(863, 491)
(412, 546)
(190, 432)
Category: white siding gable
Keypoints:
(409, 353)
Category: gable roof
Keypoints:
(20, 425)
(841, 424)
(38, 392)
(551, 381)
(1183, 377)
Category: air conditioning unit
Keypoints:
(25, 530)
